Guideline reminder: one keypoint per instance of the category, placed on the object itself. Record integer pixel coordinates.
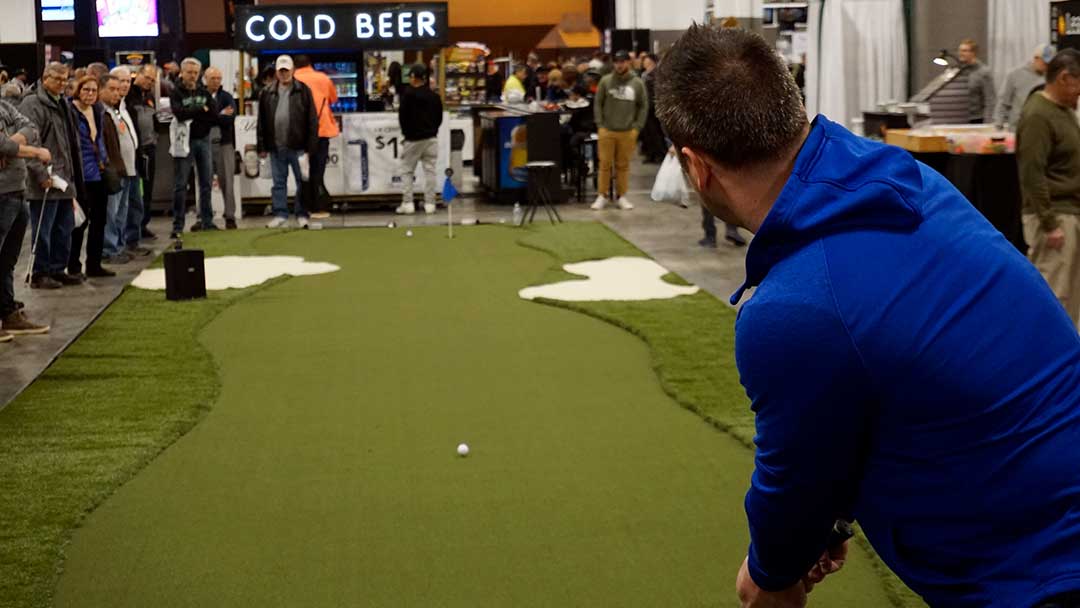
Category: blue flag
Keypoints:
(449, 192)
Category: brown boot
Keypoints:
(17, 324)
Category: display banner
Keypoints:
(341, 26)
(373, 146)
(364, 159)
(1065, 24)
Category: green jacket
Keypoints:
(621, 103)
(1048, 158)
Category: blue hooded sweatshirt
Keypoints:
(910, 369)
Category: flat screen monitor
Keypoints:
(127, 18)
(57, 10)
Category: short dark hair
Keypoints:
(302, 61)
(104, 79)
(418, 71)
(727, 93)
(1065, 60)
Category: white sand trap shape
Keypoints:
(621, 278)
(235, 271)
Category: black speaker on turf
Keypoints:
(185, 274)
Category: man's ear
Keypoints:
(697, 168)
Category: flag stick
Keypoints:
(450, 219)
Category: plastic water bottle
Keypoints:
(518, 214)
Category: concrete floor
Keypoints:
(665, 231)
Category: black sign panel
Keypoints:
(1065, 24)
(342, 26)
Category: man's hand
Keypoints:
(228, 111)
(47, 184)
(263, 154)
(1055, 239)
(752, 596)
(43, 155)
(830, 562)
(19, 138)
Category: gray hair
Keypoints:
(191, 61)
(56, 68)
(738, 73)
(121, 70)
(1067, 60)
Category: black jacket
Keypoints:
(420, 113)
(225, 121)
(303, 121)
(188, 104)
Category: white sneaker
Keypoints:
(597, 205)
(302, 222)
(405, 209)
(277, 222)
(624, 204)
(429, 209)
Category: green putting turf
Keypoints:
(325, 472)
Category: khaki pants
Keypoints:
(617, 147)
(425, 152)
(1059, 267)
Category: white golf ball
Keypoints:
(408, 233)
(463, 449)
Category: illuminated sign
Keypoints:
(341, 26)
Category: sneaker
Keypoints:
(405, 209)
(277, 222)
(116, 260)
(17, 324)
(140, 252)
(707, 242)
(429, 209)
(98, 273)
(320, 215)
(78, 275)
(148, 236)
(210, 226)
(44, 281)
(230, 224)
(174, 235)
(302, 222)
(196, 227)
(5, 336)
(624, 204)
(68, 279)
(734, 237)
(599, 203)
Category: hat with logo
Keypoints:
(284, 62)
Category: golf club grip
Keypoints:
(840, 533)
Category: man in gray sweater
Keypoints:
(1020, 83)
(982, 97)
(16, 133)
(621, 108)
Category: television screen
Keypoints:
(57, 10)
(127, 18)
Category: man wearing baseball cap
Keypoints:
(287, 128)
(1020, 83)
(620, 108)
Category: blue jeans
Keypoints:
(57, 220)
(200, 159)
(135, 214)
(116, 219)
(280, 161)
(13, 219)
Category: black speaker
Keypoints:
(185, 274)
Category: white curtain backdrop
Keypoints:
(1016, 26)
(862, 58)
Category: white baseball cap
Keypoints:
(1045, 51)
(283, 62)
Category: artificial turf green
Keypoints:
(325, 473)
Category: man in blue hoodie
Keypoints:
(908, 368)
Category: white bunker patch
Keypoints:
(235, 271)
(621, 278)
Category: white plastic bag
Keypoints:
(180, 138)
(670, 183)
(305, 166)
(80, 215)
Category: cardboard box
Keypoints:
(911, 142)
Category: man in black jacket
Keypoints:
(223, 142)
(420, 114)
(141, 104)
(191, 101)
(288, 128)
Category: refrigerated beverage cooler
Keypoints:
(345, 69)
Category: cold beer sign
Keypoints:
(341, 26)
